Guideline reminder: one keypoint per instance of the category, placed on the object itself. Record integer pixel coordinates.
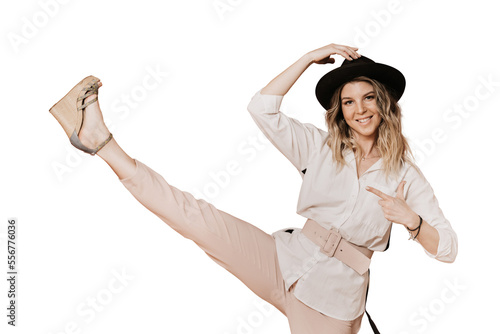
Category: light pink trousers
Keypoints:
(240, 247)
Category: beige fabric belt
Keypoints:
(333, 245)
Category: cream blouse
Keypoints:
(340, 200)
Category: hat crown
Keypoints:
(355, 62)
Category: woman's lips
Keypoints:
(364, 121)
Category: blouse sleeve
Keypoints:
(421, 199)
(295, 140)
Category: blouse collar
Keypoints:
(351, 161)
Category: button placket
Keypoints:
(351, 201)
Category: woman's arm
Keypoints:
(283, 82)
(428, 236)
(436, 235)
(296, 140)
(398, 211)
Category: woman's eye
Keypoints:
(348, 102)
(370, 97)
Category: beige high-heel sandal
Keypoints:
(70, 112)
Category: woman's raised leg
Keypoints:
(243, 249)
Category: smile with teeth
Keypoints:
(364, 120)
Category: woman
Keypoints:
(317, 276)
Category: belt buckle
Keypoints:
(332, 242)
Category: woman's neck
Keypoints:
(367, 149)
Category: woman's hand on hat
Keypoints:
(396, 209)
(322, 55)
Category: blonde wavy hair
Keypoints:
(390, 141)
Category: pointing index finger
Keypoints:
(378, 192)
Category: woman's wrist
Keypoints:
(309, 58)
(414, 232)
(415, 222)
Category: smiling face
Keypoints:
(359, 107)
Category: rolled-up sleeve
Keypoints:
(421, 199)
(295, 140)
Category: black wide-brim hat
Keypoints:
(392, 79)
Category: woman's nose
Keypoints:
(361, 108)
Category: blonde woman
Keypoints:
(358, 180)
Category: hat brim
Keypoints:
(392, 79)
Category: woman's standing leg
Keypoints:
(305, 320)
(243, 249)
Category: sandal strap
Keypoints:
(102, 144)
(75, 141)
(80, 98)
(83, 106)
(91, 89)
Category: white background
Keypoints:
(78, 225)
